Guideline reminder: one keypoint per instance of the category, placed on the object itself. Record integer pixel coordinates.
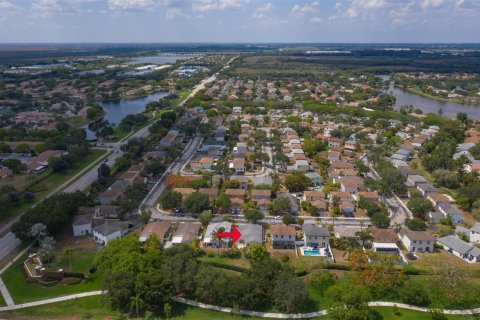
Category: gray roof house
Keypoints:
(214, 227)
(293, 201)
(250, 233)
(451, 211)
(426, 189)
(314, 236)
(460, 248)
(415, 180)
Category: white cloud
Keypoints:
(175, 13)
(338, 5)
(369, 4)
(350, 13)
(316, 20)
(302, 9)
(259, 13)
(7, 6)
(211, 5)
(142, 5)
(425, 4)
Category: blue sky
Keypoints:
(239, 21)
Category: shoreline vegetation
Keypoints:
(429, 96)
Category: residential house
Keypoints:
(82, 225)
(417, 241)
(238, 165)
(347, 232)
(283, 237)
(341, 196)
(438, 199)
(451, 211)
(333, 156)
(426, 189)
(293, 201)
(114, 193)
(242, 180)
(473, 233)
(347, 208)
(316, 237)
(169, 139)
(414, 180)
(210, 239)
(249, 234)
(460, 248)
(315, 177)
(159, 229)
(206, 163)
(368, 195)
(235, 193)
(109, 231)
(311, 196)
(212, 193)
(302, 165)
(260, 194)
(263, 204)
(185, 192)
(262, 180)
(186, 232)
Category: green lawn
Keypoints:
(50, 181)
(22, 292)
(2, 301)
(95, 308)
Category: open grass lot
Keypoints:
(22, 292)
(46, 182)
(95, 308)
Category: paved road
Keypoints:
(149, 203)
(397, 209)
(7, 244)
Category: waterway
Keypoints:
(157, 59)
(427, 105)
(116, 111)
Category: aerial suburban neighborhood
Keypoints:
(231, 180)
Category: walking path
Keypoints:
(53, 300)
(242, 312)
(3, 289)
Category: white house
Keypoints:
(460, 248)
(417, 241)
(82, 225)
(107, 232)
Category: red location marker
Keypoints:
(234, 234)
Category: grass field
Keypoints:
(22, 292)
(48, 181)
(95, 308)
(2, 301)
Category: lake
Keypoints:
(427, 105)
(116, 111)
(157, 59)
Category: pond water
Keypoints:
(427, 105)
(117, 110)
(157, 59)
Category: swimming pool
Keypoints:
(311, 252)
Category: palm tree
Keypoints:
(167, 310)
(137, 303)
(364, 236)
(67, 254)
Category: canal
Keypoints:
(427, 105)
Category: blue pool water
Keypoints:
(311, 252)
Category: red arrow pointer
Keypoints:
(235, 235)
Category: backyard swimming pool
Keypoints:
(311, 252)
